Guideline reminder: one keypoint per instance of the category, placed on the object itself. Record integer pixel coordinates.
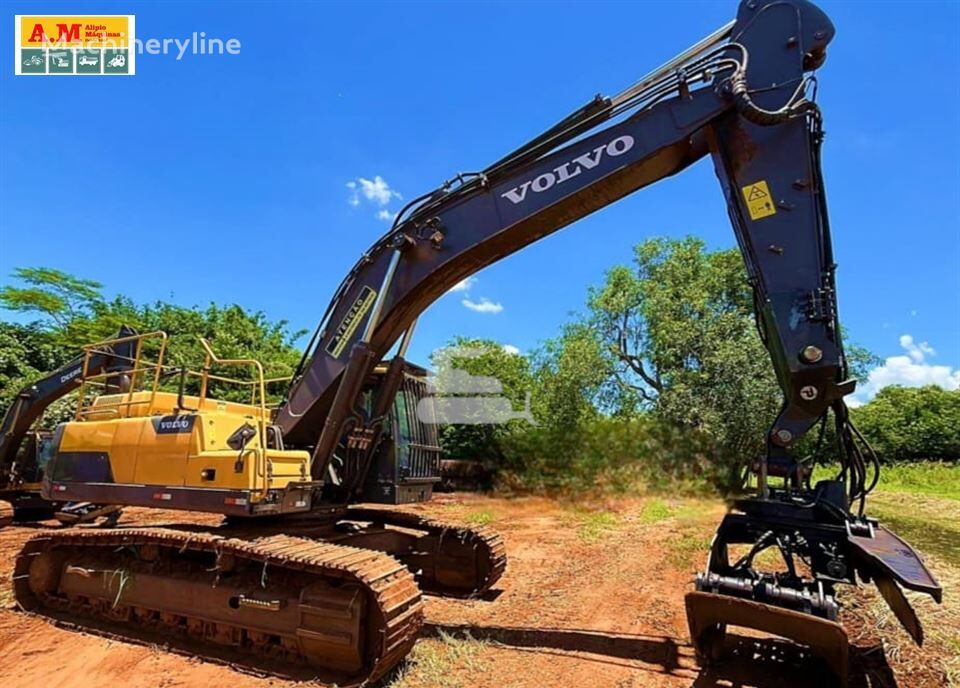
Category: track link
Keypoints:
(453, 560)
(350, 614)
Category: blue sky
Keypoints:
(225, 178)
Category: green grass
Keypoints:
(935, 478)
(930, 524)
(929, 477)
(654, 511)
(594, 526)
(480, 518)
(689, 548)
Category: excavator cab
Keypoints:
(32, 459)
(406, 465)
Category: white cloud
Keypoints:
(463, 285)
(354, 199)
(484, 305)
(376, 191)
(911, 370)
(511, 349)
(916, 351)
(386, 215)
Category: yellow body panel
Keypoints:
(198, 456)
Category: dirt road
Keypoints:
(592, 597)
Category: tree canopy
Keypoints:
(71, 312)
(663, 374)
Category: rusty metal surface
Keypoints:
(6, 513)
(452, 559)
(351, 613)
(708, 616)
(901, 607)
(895, 557)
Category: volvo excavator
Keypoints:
(303, 572)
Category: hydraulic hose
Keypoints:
(758, 115)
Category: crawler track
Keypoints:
(352, 614)
(452, 560)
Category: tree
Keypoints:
(679, 326)
(572, 375)
(27, 352)
(59, 296)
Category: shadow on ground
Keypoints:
(748, 662)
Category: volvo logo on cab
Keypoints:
(569, 170)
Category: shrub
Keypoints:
(907, 424)
(615, 453)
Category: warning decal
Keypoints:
(759, 201)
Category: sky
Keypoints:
(259, 178)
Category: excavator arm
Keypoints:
(20, 474)
(743, 96)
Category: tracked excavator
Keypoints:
(305, 573)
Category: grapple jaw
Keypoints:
(886, 559)
(820, 550)
(709, 614)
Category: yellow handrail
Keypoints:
(259, 383)
(107, 347)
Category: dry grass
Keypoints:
(441, 662)
(931, 525)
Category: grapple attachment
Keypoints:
(821, 546)
(709, 614)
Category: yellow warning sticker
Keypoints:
(759, 201)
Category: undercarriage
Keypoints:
(340, 597)
(24, 506)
